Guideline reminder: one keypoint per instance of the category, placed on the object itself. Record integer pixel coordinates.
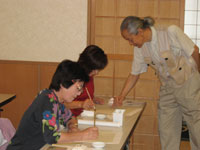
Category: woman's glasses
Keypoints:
(79, 88)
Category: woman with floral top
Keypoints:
(45, 118)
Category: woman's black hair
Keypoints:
(67, 72)
(93, 58)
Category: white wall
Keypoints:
(42, 30)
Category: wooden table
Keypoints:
(125, 131)
(5, 99)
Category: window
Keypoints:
(192, 20)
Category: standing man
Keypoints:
(176, 60)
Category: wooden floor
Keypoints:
(185, 145)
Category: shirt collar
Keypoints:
(154, 35)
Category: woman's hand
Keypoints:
(90, 133)
(98, 101)
(87, 134)
(73, 125)
(88, 104)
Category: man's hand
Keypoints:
(118, 101)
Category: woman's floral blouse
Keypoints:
(41, 123)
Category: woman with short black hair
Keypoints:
(44, 120)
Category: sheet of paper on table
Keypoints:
(87, 116)
(106, 136)
(109, 137)
(69, 147)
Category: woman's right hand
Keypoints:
(88, 104)
(90, 133)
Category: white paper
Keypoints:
(87, 113)
(100, 123)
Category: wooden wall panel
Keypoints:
(122, 47)
(105, 26)
(105, 7)
(126, 7)
(117, 26)
(157, 143)
(46, 74)
(108, 70)
(143, 142)
(25, 79)
(106, 43)
(122, 68)
(148, 8)
(22, 80)
(146, 125)
(169, 9)
(118, 85)
(104, 87)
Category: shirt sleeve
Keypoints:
(50, 119)
(138, 66)
(180, 41)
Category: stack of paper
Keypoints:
(98, 122)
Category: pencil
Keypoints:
(94, 106)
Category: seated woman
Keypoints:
(92, 59)
(44, 120)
